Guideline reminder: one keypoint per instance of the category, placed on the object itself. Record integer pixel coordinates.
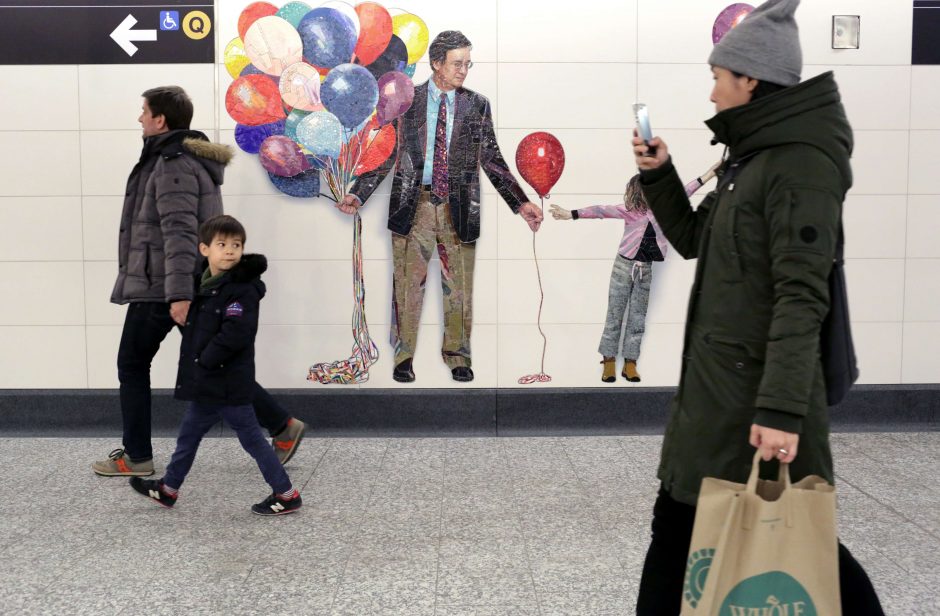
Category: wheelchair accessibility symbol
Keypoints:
(197, 25)
(169, 20)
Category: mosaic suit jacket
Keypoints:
(472, 147)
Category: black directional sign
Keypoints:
(925, 42)
(106, 31)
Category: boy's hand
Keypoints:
(179, 310)
(559, 213)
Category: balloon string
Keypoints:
(541, 377)
(365, 353)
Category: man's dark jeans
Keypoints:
(145, 326)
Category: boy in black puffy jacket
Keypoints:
(217, 367)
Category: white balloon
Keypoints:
(272, 44)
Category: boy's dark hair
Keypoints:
(444, 42)
(172, 103)
(223, 225)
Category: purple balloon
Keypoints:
(396, 92)
(729, 17)
(281, 156)
(250, 138)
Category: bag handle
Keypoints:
(751, 490)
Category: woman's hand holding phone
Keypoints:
(644, 160)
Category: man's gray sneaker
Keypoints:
(119, 465)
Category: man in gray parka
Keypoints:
(171, 190)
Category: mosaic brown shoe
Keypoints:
(629, 372)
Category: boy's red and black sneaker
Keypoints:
(153, 489)
(275, 505)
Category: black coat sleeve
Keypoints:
(666, 196)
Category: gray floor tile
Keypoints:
(485, 527)
(587, 603)
(487, 610)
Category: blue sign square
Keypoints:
(169, 20)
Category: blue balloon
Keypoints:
(293, 119)
(249, 138)
(410, 70)
(329, 37)
(304, 185)
(321, 133)
(350, 92)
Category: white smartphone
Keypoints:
(643, 126)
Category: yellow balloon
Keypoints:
(412, 30)
(235, 57)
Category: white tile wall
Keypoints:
(878, 347)
(923, 221)
(921, 341)
(558, 32)
(922, 288)
(875, 172)
(32, 158)
(925, 97)
(875, 226)
(924, 162)
(47, 100)
(876, 289)
(70, 136)
(109, 95)
(43, 293)
(25, 357)
(41, 228)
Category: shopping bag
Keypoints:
(765, 548)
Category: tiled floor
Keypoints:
(446, 527)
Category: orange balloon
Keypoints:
(252, 13)
(254, 100)
(375, 149)
(375, 32)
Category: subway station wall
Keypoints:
(69, 137)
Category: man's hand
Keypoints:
(640, 152)
(559, 213)
(774, 443)
(349, 204)
(179, 310)
(532, 215)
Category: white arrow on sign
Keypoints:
(123, 35)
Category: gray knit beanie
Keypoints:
(765, 46)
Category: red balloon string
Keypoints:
(540, 377)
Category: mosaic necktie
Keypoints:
(439, 188)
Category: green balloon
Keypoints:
(293, 12)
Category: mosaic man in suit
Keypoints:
(444, 139)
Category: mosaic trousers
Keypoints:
(627, 299)
(432, 229)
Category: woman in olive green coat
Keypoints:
(765, 240)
